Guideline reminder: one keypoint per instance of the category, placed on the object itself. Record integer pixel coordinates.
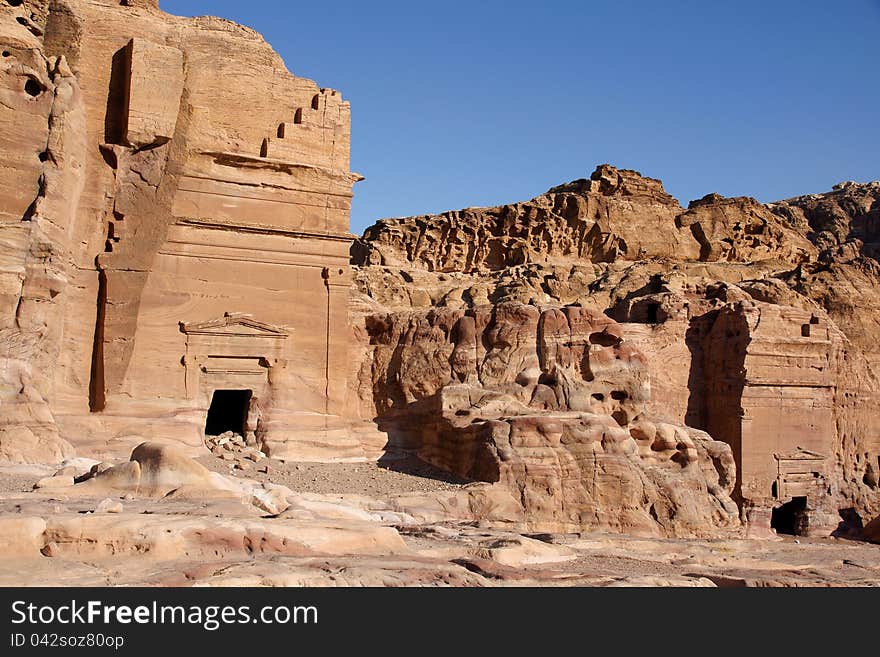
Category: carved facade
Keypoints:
(770, 396)
(207, 244)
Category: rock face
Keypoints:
(552, 404)
(158, 244)
(615, 215)
(487, 345)
(172, 267)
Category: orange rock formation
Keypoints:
(175, 260)
(175, 223)
(499, 360)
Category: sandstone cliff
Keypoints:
(751, 322)
(174, 258)
(174, 221)
(615, 215)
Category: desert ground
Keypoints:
(364, 524)
(206, 378)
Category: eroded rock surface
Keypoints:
(551, 404)
(597, 359)
(488, 345)
(172, 220)
(192, 536)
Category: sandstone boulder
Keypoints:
(159, 470)
(57, 481)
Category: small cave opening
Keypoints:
(791, 517)
(652, 313)
(33, 88)
(805, 331)
(228, 412)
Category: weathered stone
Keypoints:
(108, 505)
(57, 481)
(599, 357)
(155, 82)
(615, 214)
(129, 184)
(553, 405)
(749, 328)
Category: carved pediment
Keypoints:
(800, 454)
(235, 324)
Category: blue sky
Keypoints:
(456, 104)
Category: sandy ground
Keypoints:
(603, 559)
(21, 478)
(393, 475)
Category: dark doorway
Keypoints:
(791, 517)
(228, 412)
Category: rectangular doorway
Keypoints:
(228, 412)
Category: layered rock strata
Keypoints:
(174, 223)
(600, 356)
(552, 404)
(752, 322)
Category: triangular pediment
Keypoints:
(234, 324)
(800, 454)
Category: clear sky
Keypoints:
(456, 104)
